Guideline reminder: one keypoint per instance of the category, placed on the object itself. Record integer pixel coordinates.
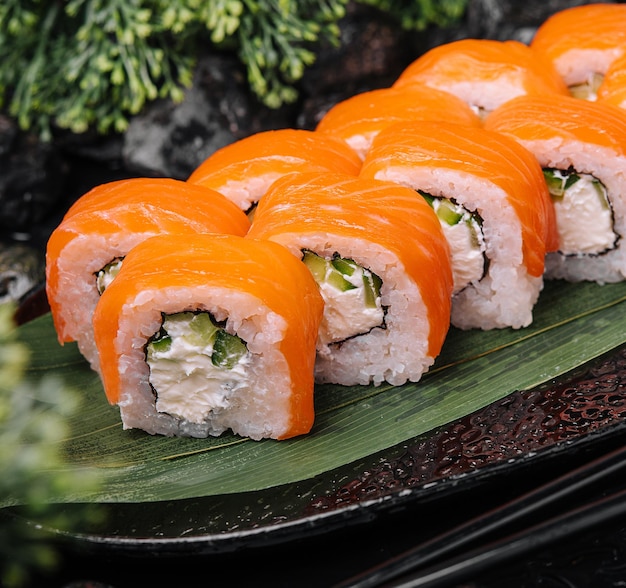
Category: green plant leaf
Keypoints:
(573, 324)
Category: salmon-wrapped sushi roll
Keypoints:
(382, 264)
(483, 72)
(245, 169)
(582, 42)
(490, 196)
(581, 147)
(357, 120)
(86, 250)
(202, 335)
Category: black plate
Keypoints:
(368, 510)
(523, 437)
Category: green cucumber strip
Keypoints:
(601, 192)
(203, 331)
(317, 265)
(446, 209)
(588, 89)
(203, 328)
(227, 350)
(334, 272)
(344, 266)
(338, 281)
(472, 226)
(161, 342)
(325, 271)
(571, 180)
(560, 181)
(371, 288)
(447, 212)
(555, 184)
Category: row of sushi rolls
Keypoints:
(344, 254)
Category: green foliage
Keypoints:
(86, 64)
(33, 425)
(419, 14)
(275, 41)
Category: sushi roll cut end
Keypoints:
(203, 337)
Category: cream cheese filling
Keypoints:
(188, 383)
(346, 315)
(465, 240)
(583, 214)
(107, 274)
(351, 293)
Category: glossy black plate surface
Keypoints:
(512, 443)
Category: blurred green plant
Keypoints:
(419, 14)
(33, 426)
(81, 64)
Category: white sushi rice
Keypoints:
(247, 192)
(485, 96)
(506, 295)
(396, 353)
(610, 169)
(79, 262)
(361, 142)
(577, 65)
(259, 409)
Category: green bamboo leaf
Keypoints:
(573, 324)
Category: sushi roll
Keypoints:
(483, 72)
(581, 43)
(86, 250)
(493, 204)
(245, 169)
(581, 147)
(357, 120)
(202, 335)
(379, 256)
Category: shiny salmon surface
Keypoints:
(458, 65)
(270, 155)
(394, 217)
(142, 207)
(612, 90)
(262, 269)
(533, 118)
(482, 153)
(590, 27)
(358, 119)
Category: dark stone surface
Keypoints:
(31, 175)
(373, 52)
(173, 139)
(510, 19)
